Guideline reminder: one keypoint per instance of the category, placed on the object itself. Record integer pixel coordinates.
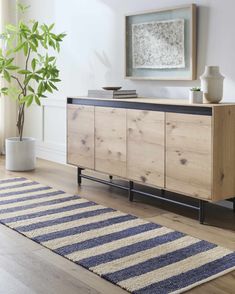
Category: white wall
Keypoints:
(8, 109)
(92, 56)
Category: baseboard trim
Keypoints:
(51, 152)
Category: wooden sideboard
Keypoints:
(167, 144)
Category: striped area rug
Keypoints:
(139, 256)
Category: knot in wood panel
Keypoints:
(143, 179)
(178, 152)
(183, 161)
(222, 177)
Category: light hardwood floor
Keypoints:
(28, 268)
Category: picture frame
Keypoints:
(161, 44)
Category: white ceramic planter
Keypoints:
(20, 155)
(195, 97)
(212, 85)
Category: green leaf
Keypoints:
(55, 80)
(61, 36)
(13, 92)
(24, 72)
(52, 58)
(58, 46)
(52, 44)
(27, 79)
(12, 67)
(22, 8)
(39, 37)
(51, 26)
(11, 28)
(53, 86)
(44, 43)
(30, 100)
(35, 41)
(9, 52)
(24, 34)
(33, 47)
(33, 64)
(24, 99)
(7, 76)
(49, 88)
(30, 89)
(37, 77)
(26, 48)
(4, 91)
(41, 88)
(9, 61)
(19, 47)
(35, 26)
(44, 28)
(37, 100)
(41, 95)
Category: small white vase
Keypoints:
(20, 155)
(212, 85)
(195, 97)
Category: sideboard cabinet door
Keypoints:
(188, 154)
(146, 146)
(110, 140)
(80, 132)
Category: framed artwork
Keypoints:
(161, 45)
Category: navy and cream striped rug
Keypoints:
(139, 256)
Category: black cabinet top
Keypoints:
(154, 104)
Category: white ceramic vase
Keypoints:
(212, 85)
(195, 97)
(20, 155)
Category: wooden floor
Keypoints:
(27, 268)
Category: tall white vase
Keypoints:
(212, 85)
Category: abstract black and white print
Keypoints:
(158, 44)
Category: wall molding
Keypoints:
(51, 150)
(53, 102)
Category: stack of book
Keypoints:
(116, 94)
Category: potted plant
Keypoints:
(29, 82)
(195, 95)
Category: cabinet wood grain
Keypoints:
(223, 152)
(80, 137)
(145, 146)
(188, 154)
(110, 140)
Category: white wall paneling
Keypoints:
(47, 125)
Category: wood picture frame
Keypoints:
(187, 13)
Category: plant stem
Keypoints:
(18, 81)
(26, 68)
(21, 114)
(22, 123)
(20, 120)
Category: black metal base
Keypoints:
(233, 201)
(79, 175)
(131, 190)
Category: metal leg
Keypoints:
(201, 211)
(110, 178)
(131, 194)
(79, 178)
